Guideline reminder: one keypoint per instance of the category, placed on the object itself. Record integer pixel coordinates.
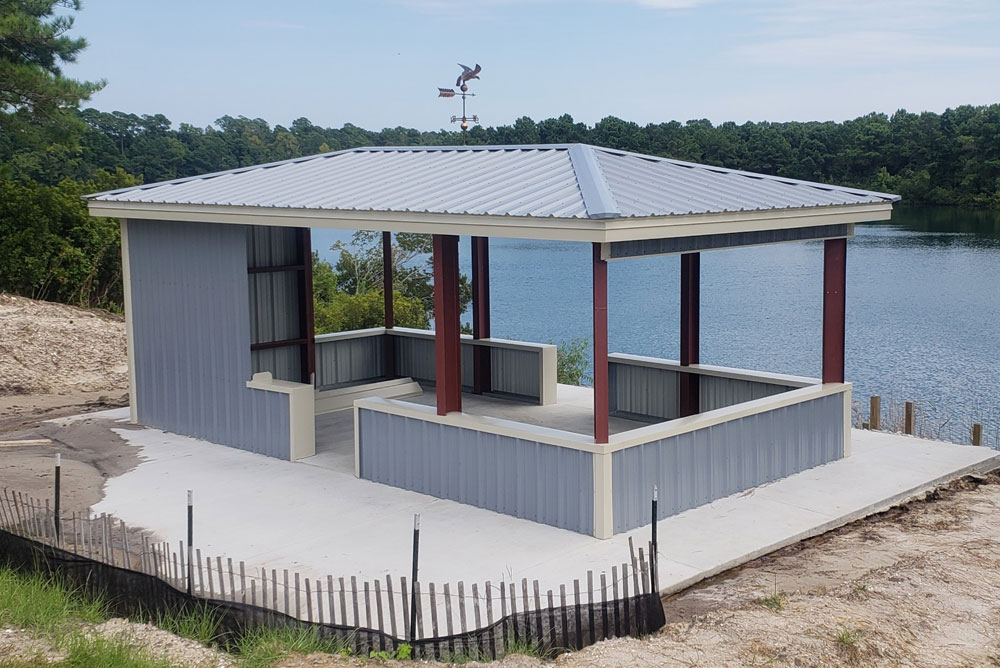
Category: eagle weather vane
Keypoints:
(467, 75)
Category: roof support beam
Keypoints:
(834, 308)
(600, 280)
(481, 355)
(690, 332)
(389, 346)
(447, 329)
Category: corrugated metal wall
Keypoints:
(343, 362)
(275, 306)
(515, 372)
(697, 467)
(718, 392)
(534, 481)
(642, 392)
(650, 393)
(190, 316)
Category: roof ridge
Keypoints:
(598, 198)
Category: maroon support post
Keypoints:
(447, 342)
(481, 355)
(389, 347)
(690, 331)
(600, 347)
(834, 308)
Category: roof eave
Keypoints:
(599, 230)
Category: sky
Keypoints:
(379, 63)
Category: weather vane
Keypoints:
(467, 75)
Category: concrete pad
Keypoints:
(321, 521)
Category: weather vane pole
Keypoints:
(468, 74)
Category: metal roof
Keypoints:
(556, 181)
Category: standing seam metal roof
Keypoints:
(547, 180)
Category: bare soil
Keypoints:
(916, 586)
(48, 348)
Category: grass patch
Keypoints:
(262, 647)
(849, 637)
(200, 624)
(34, 601)
(775, 602)
(92, 651)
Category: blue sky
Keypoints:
(378, 63)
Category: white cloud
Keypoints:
(874, 48)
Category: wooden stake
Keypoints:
(309, 608)
(977, 434)
(875, 413)
(392, 605)
(908, 420)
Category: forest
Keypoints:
(53, 149)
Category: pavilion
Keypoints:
(218, 301)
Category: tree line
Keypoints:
(52, 151)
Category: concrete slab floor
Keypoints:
(277, 514)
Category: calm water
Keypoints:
(923, 306)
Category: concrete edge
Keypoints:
(991, 463)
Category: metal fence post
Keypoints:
(190, 537)
(413, 577)
(654, 557)
(58, 527)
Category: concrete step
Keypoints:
(328, 401)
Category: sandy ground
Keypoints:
(48, 348)
(916, 586)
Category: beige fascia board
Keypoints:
(490, 425)
(133, 407)
(515, 227)
(301, 412)
(848, 413)
(604, 516)
(351, 334)
(684, 425)
(711, 370)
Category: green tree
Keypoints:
(339, 311)
(34, 45)
(572, 361)
(51, 248)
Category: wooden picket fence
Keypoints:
(370, 616)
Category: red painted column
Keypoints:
(447, 328)
(834, 308)
(481, 355)
(600, 347)
(690, 331)
(389, 348)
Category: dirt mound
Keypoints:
(48, 348)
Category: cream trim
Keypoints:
(341, 398)
(490, 425)
(710, 370)
(357, 441)
(604, 517)
(684, 425)
(548, 375)
(133, 406)
(518, 227)
(848, 415)
(622, 441)
(301, 412)
(351, 334)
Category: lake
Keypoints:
(923, 308)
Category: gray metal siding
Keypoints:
(642, 391)
(720, 392)
(650, 393)
(641, 247)
(191, 324)
(514, 372)
(534, 481)
(698, 467)
(349, 361)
